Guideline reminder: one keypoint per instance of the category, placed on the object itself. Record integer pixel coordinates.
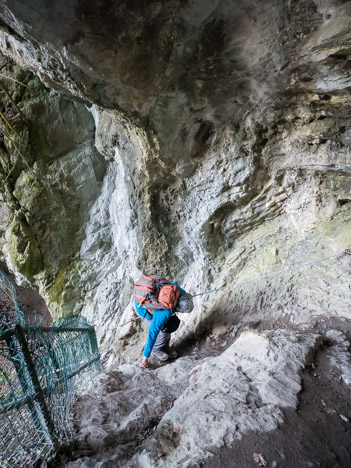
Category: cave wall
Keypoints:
(221, 131)
(50, 174)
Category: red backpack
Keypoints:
(154, 292)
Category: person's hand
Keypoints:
(144, 363)
(189, 295)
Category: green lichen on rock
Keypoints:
(55, 292)
(30, 192)
(336, 232)
(23, 249)
(50, 185)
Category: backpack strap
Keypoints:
(146, 291)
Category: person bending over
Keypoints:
(157, 300)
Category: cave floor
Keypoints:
(318, 434)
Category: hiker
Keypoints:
(156, 300)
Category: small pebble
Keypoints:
(344, 418)
(323, 403)
(274, 464)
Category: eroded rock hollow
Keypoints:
(207, 141)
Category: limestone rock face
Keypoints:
(224, 129)
(51, 173)
(209, 142)
(186, 72)
(193, 406)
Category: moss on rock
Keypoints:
(51, 185)
(56, 291)
(23, 249)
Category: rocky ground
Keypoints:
(253, 397)
(315, 434)
(242, 393)
(209, 142)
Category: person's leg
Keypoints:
(161, 346)
(161, 342)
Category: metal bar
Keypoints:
(39, 395)
(69, 329)
(23, 378)
(93, 339)
(6, 333)
(28, 399)
(73, 374)
(61, 330)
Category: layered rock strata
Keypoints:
(208, 142)
(178, 415)
(225, 136)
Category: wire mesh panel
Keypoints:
(10, 312)
(7, 287)
(23, 438)
(40, 368)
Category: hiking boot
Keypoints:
(161, 356)
(171, 352)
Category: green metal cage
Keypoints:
(39, 370)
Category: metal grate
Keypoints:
(9, 308)
(40, 368)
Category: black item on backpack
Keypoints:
(172, 324)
